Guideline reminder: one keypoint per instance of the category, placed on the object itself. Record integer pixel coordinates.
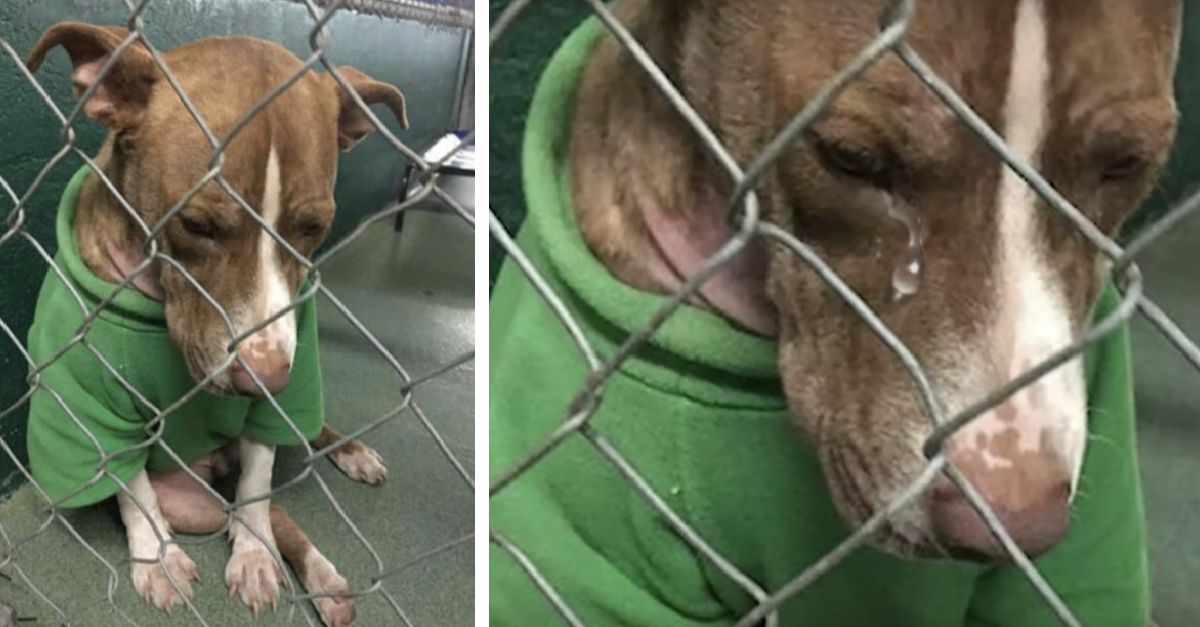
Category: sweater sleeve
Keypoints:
(303, 399)
(1100, 568)
(79, 415)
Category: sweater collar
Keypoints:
(128, 305)
(694, 349)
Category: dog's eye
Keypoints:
(199, 227)
(310, 229)
(1124, 167)
(851, 160)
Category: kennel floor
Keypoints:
(1168, 398)
(415, 291)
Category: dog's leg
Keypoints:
(184, 502)
(151, 579)
(359, 461)
(252, 573)
(189, 508)
(313, 569)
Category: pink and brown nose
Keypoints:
(271, 363)
(1029, 491)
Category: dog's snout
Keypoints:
(271, 365)
(1034, 508)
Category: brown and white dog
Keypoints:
(287, 157)
(1080, 89)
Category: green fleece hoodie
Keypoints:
(700, 414)
(131, 333)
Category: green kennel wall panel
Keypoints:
(422, 61)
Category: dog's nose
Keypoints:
(272, 367)
(1034, 511)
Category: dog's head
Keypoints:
(1081, 90)
(282, 163)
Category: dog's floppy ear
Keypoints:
(353, 126)
(121, 98)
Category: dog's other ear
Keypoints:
(353, 126)
(121, 98)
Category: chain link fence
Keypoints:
(896, 18)
(444, 12)
(14, 229)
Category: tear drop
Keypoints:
(909, 273)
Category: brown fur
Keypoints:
(189, 508)
(155, 153)
(749, 66)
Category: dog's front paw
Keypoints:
(152, 584)
(360, 462)
(253, 576)
(322, 578)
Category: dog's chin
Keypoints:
(897, 545)
(921, 545)
(906, 533)
(220, 384)
(921, 548)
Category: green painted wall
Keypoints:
(514, 66)
(421, 60)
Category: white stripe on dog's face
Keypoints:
(273, 293)
(1033, 321)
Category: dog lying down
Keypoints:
(623, 202)
(164, 337)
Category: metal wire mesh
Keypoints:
(897, 15)
(444, 12)
(15, 228)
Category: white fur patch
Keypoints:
(318, 571)
(257, 460)
(143, 543)
(273, 292)
(1033, 318)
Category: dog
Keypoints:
(165, 336)
(960, 258)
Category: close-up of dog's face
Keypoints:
(1001, 281)
(959, 257)
(283, 164)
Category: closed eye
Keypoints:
(852, 160)
(310, 229)
(1123, 167)
(199, 227)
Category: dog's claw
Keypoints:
(153, 585)
(360, 462)
(254, 577)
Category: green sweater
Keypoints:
(132, 335)
(699, 412)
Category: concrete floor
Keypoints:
(415, 292)
(1168, 404)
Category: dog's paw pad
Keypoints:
(322, 578)
(360, 462)
(152, 584)
(253, 576)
